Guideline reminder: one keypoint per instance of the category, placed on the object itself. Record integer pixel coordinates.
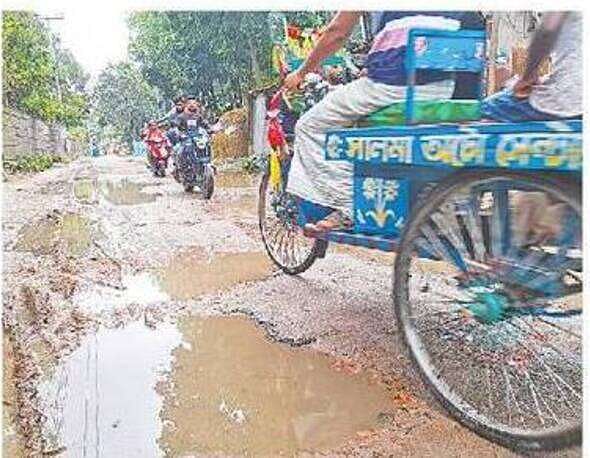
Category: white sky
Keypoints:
(96, 36)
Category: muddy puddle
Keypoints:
(192, 272)
(84, 190)
(125, 192)
(142, 288)
(235, 392)
(234, 179)
(102, 401)
(72, 230)
(210, 385)
(188, 275)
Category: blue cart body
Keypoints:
(394, 165)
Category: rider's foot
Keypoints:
(335, 221)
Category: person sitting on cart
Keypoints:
(555, 97)
(329, 183)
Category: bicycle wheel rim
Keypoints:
(566, 430)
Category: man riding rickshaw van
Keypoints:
(484, 215)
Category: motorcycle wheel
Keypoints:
(208, 183)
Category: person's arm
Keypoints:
(540, 47)
(333, 38)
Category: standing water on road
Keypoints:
(232, 391)
(84, 190)
(125, 192)
(103, 401)
(216, 385)
(190, 274)
(72, 230)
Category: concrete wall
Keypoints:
(23, 135)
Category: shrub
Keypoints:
(30, 163)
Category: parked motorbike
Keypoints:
(193, 162)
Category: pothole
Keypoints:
(102, 401)
(71, 230)
(191, 273)
(232, 391)
(125, 192)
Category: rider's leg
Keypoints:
(329, 183)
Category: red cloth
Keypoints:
(276, 136)
(154, 135)
(293, 31)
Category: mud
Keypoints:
(11, 443)
(193, 272)
(72, 230)
(234, 179)
(125, 192)
(235, 392)
(99, 320)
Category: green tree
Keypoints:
(215, 55)
(39, 76)
(309, 19)
(122, 101)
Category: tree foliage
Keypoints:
(215, 55)
(123, 101)
(39, 76)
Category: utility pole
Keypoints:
(54, 43)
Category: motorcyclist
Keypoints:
(152, 133)
(193, 111)
(171, 119)
(190, 121)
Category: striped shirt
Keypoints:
(386, 59)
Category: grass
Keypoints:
(30, 163)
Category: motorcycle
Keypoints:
(157, 144)
(194, 157)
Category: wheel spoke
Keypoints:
(467, 326)
(287, 246)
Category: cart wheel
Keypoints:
(491, 313)
(283, 239)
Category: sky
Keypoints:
(96, 36)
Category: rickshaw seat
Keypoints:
(425, 112)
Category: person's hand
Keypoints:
(523, 88)
(293, 81)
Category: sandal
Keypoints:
(335, 221)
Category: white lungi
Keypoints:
(329, 183)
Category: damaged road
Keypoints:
(140, 320)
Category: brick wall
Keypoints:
(24, 135)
